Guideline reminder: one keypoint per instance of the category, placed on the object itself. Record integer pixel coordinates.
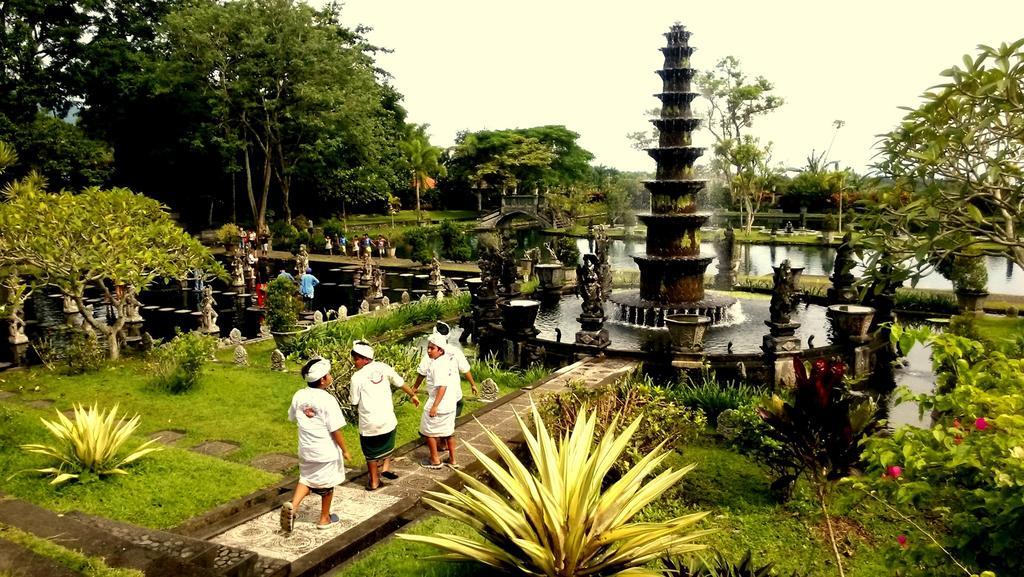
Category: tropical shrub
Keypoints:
(455, 242)
(666, 420)
(333, 226)
(87, 446)
(228, 234)
(561, 520)
(567, 251)
(965, 474)
(925, 302)
(73, 349)
(717, 566)
(821, 428)
(283, 305)
(179, 363)
(423, 243)
(744, 430)
(402, 357)
(712, 398)
(283, 233)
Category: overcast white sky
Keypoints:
(486, 64)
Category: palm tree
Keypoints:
(424, 162)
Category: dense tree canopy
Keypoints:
(957, 163)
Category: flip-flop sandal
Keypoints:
(380, 485)
(389, 475)
(455, 466)
(433, 466)
(287, 517)
(334, 520)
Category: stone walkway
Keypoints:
(360, 510)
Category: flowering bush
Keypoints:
(965, 475)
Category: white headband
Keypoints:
(362, 349)
(318, 370)
(438, 340)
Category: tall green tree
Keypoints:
(424, 161)
(956, 164)
(755, 179)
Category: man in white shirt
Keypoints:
(370, 391)
(321, 447)
(457, 356)
(438, 419)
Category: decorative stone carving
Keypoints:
(70, 306)
(146, 342)
(318, 317)
(488, 391)
(376, 284)
(277, 361)
(423, 298)
(842, 290)
(385, 302)
(435, 273)
(509, 271)
(725, 248)
(237, 272)
(439, 295)
(235, 336)
(302, 260)
(208, 312)
(405, 298)
(783, 295)
(132, 305)
(241, 356)
(343, 312)
(451, 288)
(265, 331)
(599, 240)
(364, 307)
(16, 326)
(588, 286)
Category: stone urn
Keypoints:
(795, 274)
(284, 339)
(518, 315)
(971, 301)
(473, 285)
(851, 322)
(551, 276)
(687, 331)
(391, 251)
(570, 274)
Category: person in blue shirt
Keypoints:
(343, 245)
(286, 274)
(307, 282)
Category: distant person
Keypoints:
(265, 243)
(322, 450)
(370, 391)
(343, 245)
(382, 246)
(252, 239)
(307, 284)
(286, 274)
(328, 246)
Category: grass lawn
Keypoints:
(409, 217)
(735, 490)
(245, 406)
(1001, 330)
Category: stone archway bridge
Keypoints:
(528, 206)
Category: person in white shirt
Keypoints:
(322, 450)
(460, 360)
(438, 420)
(370, 391)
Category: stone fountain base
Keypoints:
(634, 310)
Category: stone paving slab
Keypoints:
(275, 462)
(215, 448)
(40, 403)
(6, 395)
(263, 535)
(168, 436)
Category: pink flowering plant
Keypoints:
(963, 478)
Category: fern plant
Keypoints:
(560, 521)
(89, 444)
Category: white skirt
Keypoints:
(322, 475)
(443, 425)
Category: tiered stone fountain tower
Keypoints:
(672, 272)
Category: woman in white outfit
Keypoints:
(438, 420)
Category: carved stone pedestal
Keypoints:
(592, 338)
(779, 349)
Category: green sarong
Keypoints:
(377, 446)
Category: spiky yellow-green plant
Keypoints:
(89, 444)
(559, 521)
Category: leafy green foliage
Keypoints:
(423, 243)
(283, 305)
(59, 152)
(965, 473)
(718, 566)
(403, 357)
(283, 234)
(922, 301)
(712, 397)
(76, 351)
(179, 363)
(567, 251)
(228, 234)
(88, 445)
(562, 520)
(666, 420)
(455, 242)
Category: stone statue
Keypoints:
(264, 331)
(783, 295)
(376, 284)
(343, 312)
(16, 326)
(599, 239)
(725, 247)
(488, 391)
(241, 356)
(588, 286)
(405, 298)
(302, 260)
(70, 306)
(490, 268)
(367, 264)
(843, 290)
(451, 288)
(146, 342)
(435, 272)
(385, 302)
(132, 305)
(235, 336)
(509, 271)
(364, 307)
(318, 317)
(208, 312)
(237, 273)
(277, 361)
(439, 295)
